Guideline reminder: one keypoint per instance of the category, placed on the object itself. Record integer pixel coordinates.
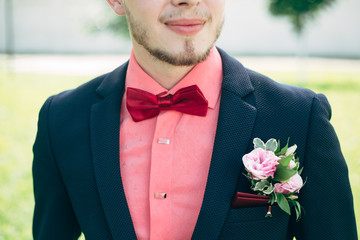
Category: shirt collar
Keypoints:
(207, 75)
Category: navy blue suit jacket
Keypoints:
(78, 187)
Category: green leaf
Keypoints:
(302, 209)
(284, 162)
(271, 145)
(284, 149)
(297, 210)
(278, 148)
(272, 199)
(258, 143)
(283, 203)
(297, 166)
(291, 195)
(283, 174)
(291, 201)
(301, 170)
(253, 183)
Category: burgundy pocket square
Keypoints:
(242, 200)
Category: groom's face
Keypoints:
(179, 32)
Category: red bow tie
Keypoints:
(144, 105)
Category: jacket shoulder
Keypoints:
(286, 98)
(283, 93)
(79, 95)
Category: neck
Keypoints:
(165, 74)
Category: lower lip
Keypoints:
(187, 30)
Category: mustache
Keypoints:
(179, 14)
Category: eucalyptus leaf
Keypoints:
(283, 203)
(271, 145)
(258, 143)
(260, 186)
(268, 189)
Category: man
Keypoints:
(112, 170)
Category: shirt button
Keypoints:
(160, 195)
(164, 141)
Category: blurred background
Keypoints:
(50, 46)
(66, 26)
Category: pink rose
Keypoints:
(294, 184)
(261, 163)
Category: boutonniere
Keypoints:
(274, 172)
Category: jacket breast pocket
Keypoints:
(251, 223)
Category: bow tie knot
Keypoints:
(165, 102)
(144, 105)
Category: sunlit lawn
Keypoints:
(21, 96)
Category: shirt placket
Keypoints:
(160, 177)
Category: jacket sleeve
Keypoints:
(326, 195)
(54, 217)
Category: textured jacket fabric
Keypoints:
(76, 172)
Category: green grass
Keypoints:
(21, 96)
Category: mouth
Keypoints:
(186, 27)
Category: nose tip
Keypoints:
(186, 3)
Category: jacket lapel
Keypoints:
(105, 124)
(235, 123)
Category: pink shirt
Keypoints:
(170, 154)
